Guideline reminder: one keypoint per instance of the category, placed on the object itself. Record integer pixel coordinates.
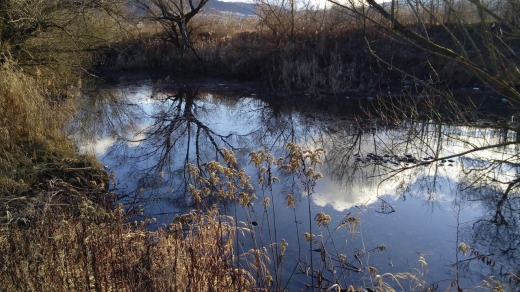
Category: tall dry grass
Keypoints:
(342, 51)
(69, 242)
(40, 77)
(31, 128)
(84, 247)
(324, 53)
(59, 230)
(65, 241)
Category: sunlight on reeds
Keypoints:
(31, 127)
(68, 242)
(96, 249)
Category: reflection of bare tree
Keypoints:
(181, 133)
(105, 113)
(497, 233)
(423, 158)
(178, 122)
(480, 162)
(183, 126)
(148, 140)
(429, 147)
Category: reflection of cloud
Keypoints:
(433, 181)
(358, 193)
(365, 192)
(100, 147)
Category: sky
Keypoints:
(321, 3)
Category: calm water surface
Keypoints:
(145, 134)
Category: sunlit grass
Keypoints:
(69, 240)
(31, 128)
(60, 227)
(85, 247)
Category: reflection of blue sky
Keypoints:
(222, 119)
(132, 155)
(437, 179)
(361, 192)
(423, 222)
(244, 117)
(416, 227)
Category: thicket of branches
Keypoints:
(403, 52)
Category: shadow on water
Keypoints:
(421, 188)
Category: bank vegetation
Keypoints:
(62, 228)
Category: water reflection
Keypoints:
(459, 163)
(496, 234)
(147, 135)
(105, 115)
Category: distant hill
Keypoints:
(214, 7)
(219, 7)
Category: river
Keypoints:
(415, 197)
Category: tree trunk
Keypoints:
(184, 34)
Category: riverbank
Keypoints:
(337, 62)
(67, 221)
(61, 226)
(468, 106)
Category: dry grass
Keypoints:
(40, 79)
(67, 241)
(66, 237)
(23, 101)
(58, 231)
(324, 54)
(30, 127)
(334, 52)
(83, 247)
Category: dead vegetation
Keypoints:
(69, 239)
(78, 247)
(61, 229)
(348, 49)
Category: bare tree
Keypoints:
(22, 20)
(56, 38)
(174, 16)
(479, 41)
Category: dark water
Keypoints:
(384, 175)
